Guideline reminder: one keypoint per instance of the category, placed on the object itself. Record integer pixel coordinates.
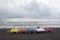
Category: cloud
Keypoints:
(45, 9)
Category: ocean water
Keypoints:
(29, 24)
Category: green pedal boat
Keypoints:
(31, 30)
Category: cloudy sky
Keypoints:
(44, 9)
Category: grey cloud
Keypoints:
(9, 9)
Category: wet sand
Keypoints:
(55, 35)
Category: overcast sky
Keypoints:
(45, 9)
